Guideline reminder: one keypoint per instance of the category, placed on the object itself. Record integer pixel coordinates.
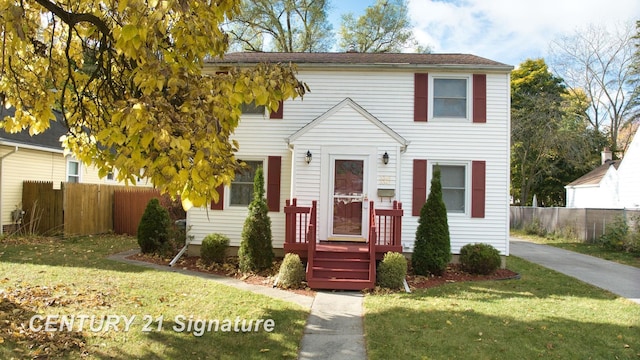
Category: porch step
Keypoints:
(341, 284)
(327, 273)
(332, 263)
(340, 268)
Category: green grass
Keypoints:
(542, 315)
(73, 277)
(583, 248)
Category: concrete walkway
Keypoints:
(334, 328)
(622, 280)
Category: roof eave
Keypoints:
(31, 147)
(449, 67)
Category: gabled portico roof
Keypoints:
(348, 102)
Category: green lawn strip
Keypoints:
(583, 248)
(73, 278)
(543, 314)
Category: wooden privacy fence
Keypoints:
(83, 209)
(583, 224)
(87, 208)
(43, 206)
(128, 206)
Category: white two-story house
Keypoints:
(354, 158)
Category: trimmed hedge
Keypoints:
(481, 259)
(392, 271)
(291, 274)
(214, 248)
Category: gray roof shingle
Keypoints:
(595, 176)
(49, 139)
(354, 58)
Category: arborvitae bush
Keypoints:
(479, 259)
(153, 230)
(256, 250)
(432, 249)
(214, 248)
(291, 274)
(392, 271)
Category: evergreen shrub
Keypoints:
(481, 259)
(291, 274)
(432, 249)
(153, 230)
(256, 250)
(392, 271)
(214, 248)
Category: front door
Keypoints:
(348, 197)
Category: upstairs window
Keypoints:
(450, 98)
(253, 109)
(241, 191)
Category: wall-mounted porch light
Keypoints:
(308, 157)
(385, 158)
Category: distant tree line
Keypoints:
(562, 120)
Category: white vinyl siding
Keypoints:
(26, 165)
(388, 95)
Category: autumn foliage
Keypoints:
(131, 82)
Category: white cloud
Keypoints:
(510, 30)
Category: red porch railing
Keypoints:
(373, 234)
(300, 223)
(388, 224)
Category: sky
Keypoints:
(508, 31)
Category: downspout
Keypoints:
(293, 169)
(15, 150)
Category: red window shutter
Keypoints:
(478, 184)
(421, 97)
(220, 204)
(419, 186)
(273, 182)
(479, 98)
(278, 114)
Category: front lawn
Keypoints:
(543, 315)
(72, 278)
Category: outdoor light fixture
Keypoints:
(307, 157)
(385, 158)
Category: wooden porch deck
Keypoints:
(342, 265)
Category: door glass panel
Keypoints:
(348, 197)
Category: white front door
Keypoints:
(348, 191)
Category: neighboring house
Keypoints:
(368, 136)
(36, 158)
(613, 185)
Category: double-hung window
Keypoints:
(253, 109)
(241, 190)
(73, 171)
(454, 187)
(450, 97)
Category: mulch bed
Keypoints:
(453, 273)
